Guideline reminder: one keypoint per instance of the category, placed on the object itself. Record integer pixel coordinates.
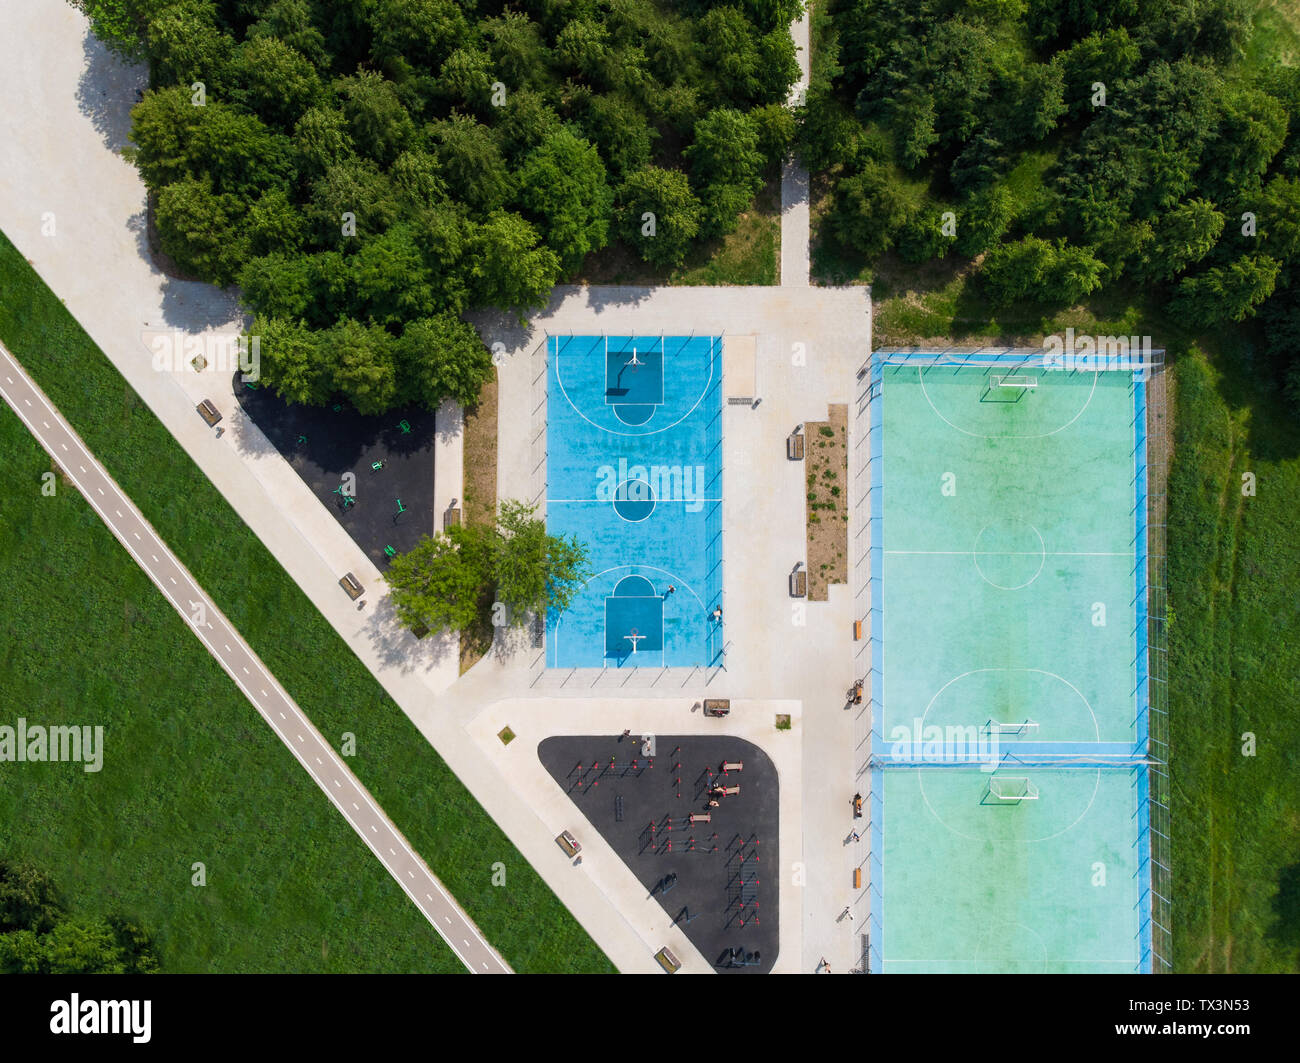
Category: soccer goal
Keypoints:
(1012, 788)
(1015, 730)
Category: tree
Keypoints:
(364, 362)
(199, 230)
(517, 48)
(78, 945)
(421, 32)
(1181, 238)
(618, 128)
(535, 571)
(274, 224)
(292, 362)
(1038, 271)
(507, 267)
(727, 166)
(28, 898)
(471, 162)
(440, 583)
(379, 124)
(389, 282)
(1226, 293)
(562, 183)
(442, 357)
(870, 209)
(274, 80)
(924, 237)
(731, 41)
(466, 78)
(185, 45)
(658, 215)
(984, 221)
(322, 139)
(120, 24)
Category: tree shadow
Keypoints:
(1285, 928)
(395, 645)
(107, 90)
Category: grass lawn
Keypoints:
(1234, 670)
(190, 771)
(441, 819)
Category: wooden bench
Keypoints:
(732, 765)
(451, 518)
(794, 445)
(568, 843)
(717, 706)
(351, 586)
(208, 412)
(670, 963)
(729, 791)
(700, 817)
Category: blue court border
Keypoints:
(1037, 751)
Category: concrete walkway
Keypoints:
(796, 266)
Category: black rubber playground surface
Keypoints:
(322, 443)
(717, 880)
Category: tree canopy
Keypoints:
(362, 167)
(450, 579)
(1077, 145)
(37, 935)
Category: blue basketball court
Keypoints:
(634, 471)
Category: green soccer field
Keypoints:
(1008, 614)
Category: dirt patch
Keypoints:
(826, 513)
(480, 504)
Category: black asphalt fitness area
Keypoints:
(392, 504)
(717, 880)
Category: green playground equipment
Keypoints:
(405, 426)
(390, 551)
(302, 441)
(337, 407)
(376, 465)
(400, 508)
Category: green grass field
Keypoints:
(190, 771)
(1234, 670)
(523, 919)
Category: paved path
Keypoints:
(795, 215)
(221, 639)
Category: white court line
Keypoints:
(1018, 553)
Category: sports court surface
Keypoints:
(1008, 776)
(634, 471)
